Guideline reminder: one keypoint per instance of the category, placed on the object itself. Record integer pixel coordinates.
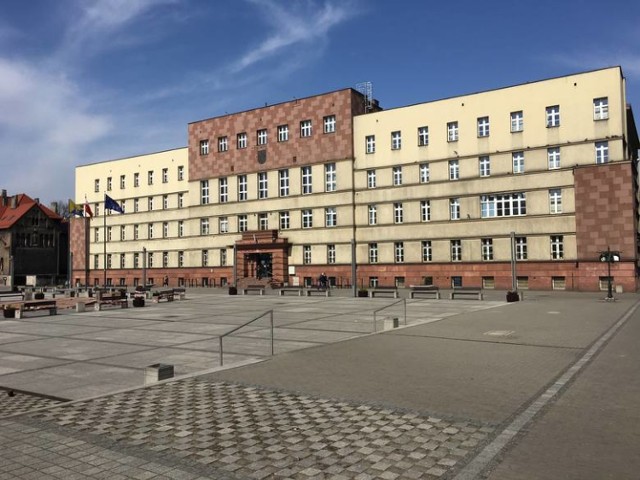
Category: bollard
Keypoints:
(156, 372)
(80, 307)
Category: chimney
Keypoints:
(54, 207)
(37, 200)
(14, 201)
(3, 198)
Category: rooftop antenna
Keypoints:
(366, 89)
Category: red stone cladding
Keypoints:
(190, 277)
(317, 148)
(77, 232)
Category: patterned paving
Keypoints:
(249, 432)
(17, 402)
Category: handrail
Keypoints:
(270, 312)
(404, 300)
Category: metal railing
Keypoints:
(269, 312)
(375, 313)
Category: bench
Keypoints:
(312, 291)
(11, 297)
(384, 291)
(429, 290)
(283, 290)
(466, 291)
(111, 300)
(35, 306)
(166, 294)
(180, 293)
(253, 288)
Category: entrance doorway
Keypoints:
(258, 265)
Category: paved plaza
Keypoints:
(343, 398)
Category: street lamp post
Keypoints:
(609, 257)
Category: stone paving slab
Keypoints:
(13, 403)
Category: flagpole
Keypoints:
(104, 241)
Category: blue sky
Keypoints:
(83, 81)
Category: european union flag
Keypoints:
(111, 204)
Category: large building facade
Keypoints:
(444, 192)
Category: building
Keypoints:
(34, 243)
(438, 192)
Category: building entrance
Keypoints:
(258, 265)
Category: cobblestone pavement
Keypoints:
(196, 428)
(17, 402)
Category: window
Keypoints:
(423, 136)
(487, 249)
(150, 177)
(306, 254)
(331, 217)
(122, 233)
(553, 116)
(96, 185)
(521, 248)
(223, 257)
(204, 192)
(180, 200)
(285, 220)
(397, 175)
(165, 202)
(223, 189)
(204, 226)
(205, 258)
(165, 259)
(136, 179)
(483, 126)
(425, 210)
(180, 173)
(454, 209)
(96, 209)
(373, 215)
(553, 157)
(454, 169)
(373, 253)
(602, 152)
(504, 205)
(242, 223)
(109, 260)
(283, 133)
(122, 182)
(123, 204)
(557, 247)
(518, 162)
(150, 259)
(263, 221)
(485, 166)
(558, 283)
(370, 143)
(108, 234)
(150, 204)
(136, 260)
(150, 231)
(136, 232)
(307, 187)
(371, 179)
(165, 175)
(283, 180)
(555, 200)
(262, 136)
(517, 121)
(452, 132)
(180, 228)
(242, 187)
(204, 147)
(109, 184)
(330, 177)
(425, 175)
(307, 218)
(241, 140)
(305, 128)
(398, 249)
(398, 214)
(122, 260)
(396, 140)
(180, 259)
(263, 191)
(223, 224)
(427, 253)
(223, 144)
(95, 261)
(165, 229)
(456, 250)
(329, 123)
(601, 108)
(331, 253)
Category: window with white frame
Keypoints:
(553, 116)
(331, 217)
(242, 223)
(487, 249)
(454, 209)
(398, 249)
(223, 257)
(180, 173)
(223, 144)
(241, 140)
(370, 143)
(150, 231)
(96, 185)
(150, 259)
(307, 183)
(165, 175)
(109, 229)
(136, 260)
(283, 133)
(122, 233)
(242, 187)
(557, 247)
(136, 179)
(555, 200)
(150, 204)
(122, 182)
(109, 260)
(123, 204)
(483, 126)
(165, 202)
(454, 169)
(329, 123)
(331, 253)
(96, 260)
(521, 248)
(553, 158)
(96, 209)
(204, 192)
(307, 218)
(204, 226)
(484, 163)
(180, 200)
(180, 258)
(396, 140)
(262, 136)
(602, 152)
(503, 205)
(223, 224)
(398, 213)
(373, 215)
(425, 174)
(373, 253)
(285, 220)
(371, 179)
(165, 229)
(165, 259)
(223, 189)
(456, 250)
(397, 175)
(330, 177)
(204, 147)
(306, 254)
(427, 252)
(109, 184)
(204, 255)
(518, 162)
(283, 181)
(425, 210)
(263, 191)
(452, 132)
(305, 128)
(181, 228)
(601, 108)
(263, 221)
(122, 260)
(423, 136)
(136, 232)
(150, 177)
(517, 121)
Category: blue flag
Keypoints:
(111, 204)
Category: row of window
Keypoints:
(151, 259)
(262, 135)
(136, 179)
(552, 118)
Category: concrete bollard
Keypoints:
(156, 372)
(80, 307)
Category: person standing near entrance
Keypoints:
(322, 281)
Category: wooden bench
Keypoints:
(314, 291)
(466, 291)
(35, 306)
(384, 291)
(112, 300)
(283, 290)
(429, 290)
(179, 293)
(253, 288)
(166, 294)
